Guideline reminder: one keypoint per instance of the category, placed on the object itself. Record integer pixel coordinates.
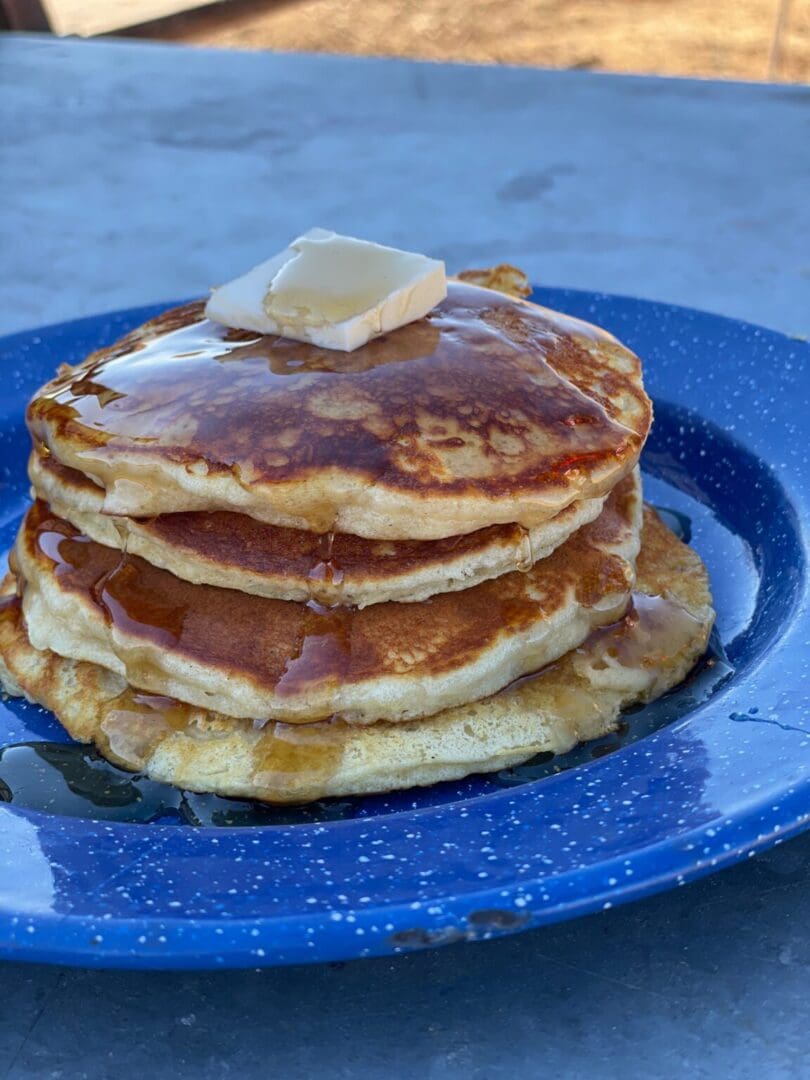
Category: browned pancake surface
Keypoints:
(328, 566)
(488, 398)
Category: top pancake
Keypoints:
(489, 410)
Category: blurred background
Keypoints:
(735, 39)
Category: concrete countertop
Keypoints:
(135, 173)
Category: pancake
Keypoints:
(250, 656)
(234, 551)
(503, 278)
(578, 698)
(490, 410)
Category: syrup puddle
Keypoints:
(75, 781)
(706, 677)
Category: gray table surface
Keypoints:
(134, 173)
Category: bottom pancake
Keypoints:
(578, 698)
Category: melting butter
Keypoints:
(330, 290)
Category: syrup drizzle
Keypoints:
(653, 629)
(283, 756)
(324, 648)
(527, 558)
(327, 569)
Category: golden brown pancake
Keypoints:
(234, 551)
(488, 411)
(503, 278)
(578, 698)
(254, 657)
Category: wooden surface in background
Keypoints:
(89, 17)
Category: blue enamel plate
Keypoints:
(98, 867)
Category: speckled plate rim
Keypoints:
(729, 779)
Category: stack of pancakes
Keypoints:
(262, 568)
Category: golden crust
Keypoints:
(502, 278)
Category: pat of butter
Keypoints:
(333, 291)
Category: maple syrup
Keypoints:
(327, 569)
(323, 651)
